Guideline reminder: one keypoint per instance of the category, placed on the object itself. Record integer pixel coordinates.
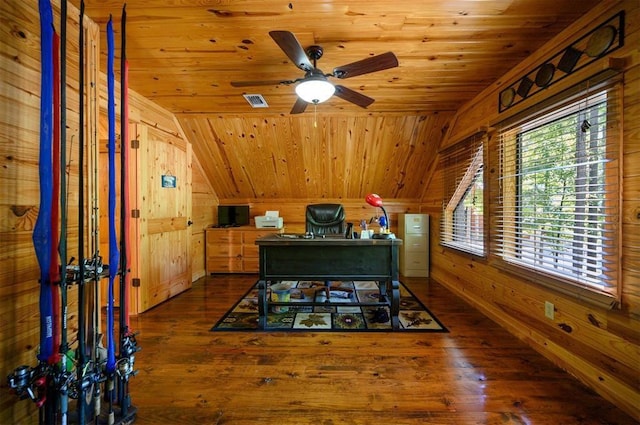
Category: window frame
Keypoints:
(465, 176)
(610, 297)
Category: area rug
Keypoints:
(413, 317)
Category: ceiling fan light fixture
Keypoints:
(315, 89)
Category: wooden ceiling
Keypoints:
(184, 54)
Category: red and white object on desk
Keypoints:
(375, 200)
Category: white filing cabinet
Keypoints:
(414, 251)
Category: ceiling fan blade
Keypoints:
(292, 48)
(299, 106)
(365, 66)
(353, 96)
(261, 83)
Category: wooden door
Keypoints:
(163, 232)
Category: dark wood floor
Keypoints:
(475, 374)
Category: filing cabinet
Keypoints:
(413, 229)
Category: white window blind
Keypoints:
(462, 224)
(559, 204)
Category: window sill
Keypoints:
(580, 293)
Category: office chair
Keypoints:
(322, 220)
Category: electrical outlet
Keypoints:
(549, 310)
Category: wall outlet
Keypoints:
(549, 310)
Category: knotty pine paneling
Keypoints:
(203, 210)
(293, 210)
(163, 149)
(19, 186)
(339, 156)
(186, 54)
(475, 115)
(631, 194)
(309, 157)
(600, 347)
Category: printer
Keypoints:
(269, 221)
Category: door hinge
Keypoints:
(135, 144)
(135, 282)
(135, 213)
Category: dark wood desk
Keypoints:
(290, 258)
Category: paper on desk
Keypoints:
(272, 213)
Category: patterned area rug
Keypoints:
(414, 316)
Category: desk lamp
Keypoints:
(375, 200)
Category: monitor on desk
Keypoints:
(233, 215)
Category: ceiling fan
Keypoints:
(314, 87)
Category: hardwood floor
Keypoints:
(475, 374)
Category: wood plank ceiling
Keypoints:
(184, 54)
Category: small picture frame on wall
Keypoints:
(169, 181)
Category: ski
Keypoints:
(114, 254)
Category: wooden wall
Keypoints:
(19, 187)
(293, 210)
(203, 215)
(324, 155)
(160, 255)
(603, 347)
(604, 357)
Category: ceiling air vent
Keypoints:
(256, 100)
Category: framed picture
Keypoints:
(169, 181)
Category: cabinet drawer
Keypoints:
(224, 265)
(249, 237)
(415, 260)
(224, 250)
(224, 237)
(414, 243)
(251, 265)
(415, 273)
(416, 223)
(250, 251)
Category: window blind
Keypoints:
(559, 205)
(462, 223)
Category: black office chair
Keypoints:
(323, 220)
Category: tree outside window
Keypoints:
(558, 194)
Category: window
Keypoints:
(462, 226)
(559, 204)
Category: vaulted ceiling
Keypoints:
(184, 55)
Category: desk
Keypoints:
(290, 258)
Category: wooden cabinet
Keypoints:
(413, 229)
(233, 249)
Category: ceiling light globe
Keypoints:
(315, 90)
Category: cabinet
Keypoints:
(233, 249)
(413, 229)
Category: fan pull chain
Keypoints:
(315, 115)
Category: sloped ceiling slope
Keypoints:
(336, 156)
(184, 54)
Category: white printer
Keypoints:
(269, 221)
